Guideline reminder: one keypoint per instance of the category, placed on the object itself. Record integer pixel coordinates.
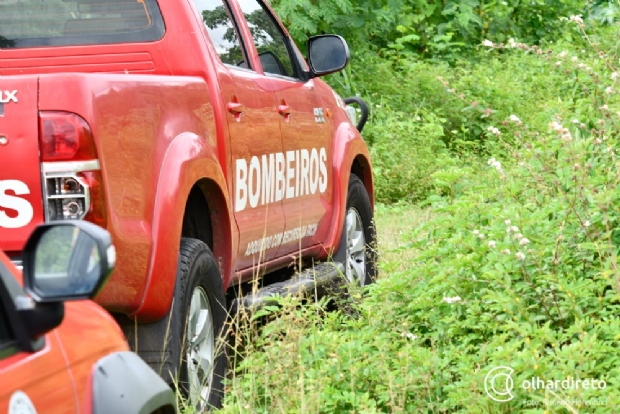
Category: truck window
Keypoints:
(222, 31)
(269, 39)
(34, 23)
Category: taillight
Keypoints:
(65, 137)
(72, 180)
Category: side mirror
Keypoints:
(327, 54)
(271, 63)
(65, 260)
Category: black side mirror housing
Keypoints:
(63, 260)
(327, 54)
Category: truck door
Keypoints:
(254, 139)
(305, 135)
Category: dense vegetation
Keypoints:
(500, 122)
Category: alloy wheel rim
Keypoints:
(200, 348)
(355, 268)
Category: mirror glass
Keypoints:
(67, 263)
(327, 54)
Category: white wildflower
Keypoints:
(609, 90)
(518, 236)
(494, 131)
(565, 135)
(576, 18)
(481, 236)
(520, 256)
(598, 141)
(563, 54)
(512, 43)
(581, 66)
(495, 164)
(604, 108)
(514, 229)
(488, 43)
(574, 58)
(452, 299)
(506, 251)
(491, 244)
(558, 63)
(556, 126)
(412, 336)
(614, 75)
(524, 241)
(476, 232)
(515, 119)
(586, 223)
(507, 222)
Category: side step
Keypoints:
(316, 277)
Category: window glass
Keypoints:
(31, 23)
(6, 338)
(8, 288)
(268, 38)
(222, 31)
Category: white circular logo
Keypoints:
(498, 384)
(21, 404)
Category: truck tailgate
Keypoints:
(21, 206)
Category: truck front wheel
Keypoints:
(203, 311)
(357, 250)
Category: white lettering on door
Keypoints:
(277, 176)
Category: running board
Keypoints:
(313, 279)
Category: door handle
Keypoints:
(284, 110)
(234, 107)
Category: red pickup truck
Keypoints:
(196, 133)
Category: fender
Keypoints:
(348, 146)
(189, 159)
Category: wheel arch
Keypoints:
(190, 162)
(212, 228)
(351, 156)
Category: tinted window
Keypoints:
(6, 337)
(222, 31)
(268, 38)
(9, 288)
(30, 23)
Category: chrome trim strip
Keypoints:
(18, 263)
(70, 166)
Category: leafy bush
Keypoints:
(406, 150)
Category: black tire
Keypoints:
(163, 344)
(198, 271)
(358, 203)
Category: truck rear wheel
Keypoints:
(357, 245)
(185, 346)
(202, 302)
